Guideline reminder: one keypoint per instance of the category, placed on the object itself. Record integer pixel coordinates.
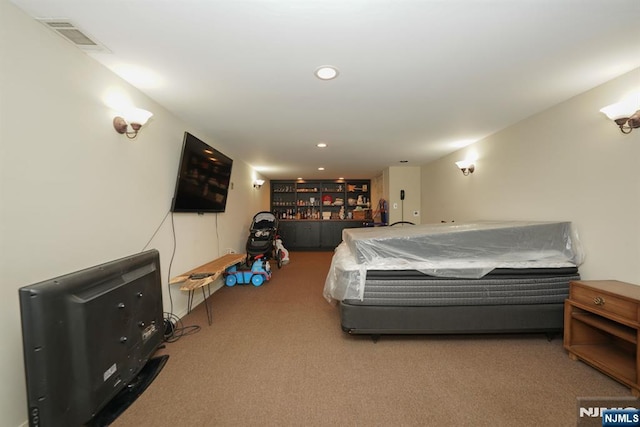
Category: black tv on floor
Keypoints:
(88, 340)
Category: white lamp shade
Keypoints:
(623, 109)
(617, 111)
(137, 115)
(463, 164)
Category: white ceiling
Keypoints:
(417, 78)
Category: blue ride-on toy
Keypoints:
(259, 273)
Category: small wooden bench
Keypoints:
(210, 271)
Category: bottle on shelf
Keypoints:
(325, 199)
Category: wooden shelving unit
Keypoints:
(301, 200)
(312, 214)
(601, 326)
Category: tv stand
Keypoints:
(130, 393)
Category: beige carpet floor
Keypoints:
(275, 355)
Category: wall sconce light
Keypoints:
(625, 113)
(466, 166)
(258, 183)
(133, 119)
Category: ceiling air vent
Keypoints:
(73, 34)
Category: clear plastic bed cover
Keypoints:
(462, 250)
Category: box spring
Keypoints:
(504, 301)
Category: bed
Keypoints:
(456, 278)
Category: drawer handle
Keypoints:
(598, 301)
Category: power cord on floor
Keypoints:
(174, 329)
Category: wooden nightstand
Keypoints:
(601, 324)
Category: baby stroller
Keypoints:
(262, 238)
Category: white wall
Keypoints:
(74, 193)
(566, 163)
(405, 178)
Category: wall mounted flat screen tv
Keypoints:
(89, 339)
(204, 176)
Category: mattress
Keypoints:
(456, 251)
(500, 287)
(474, 242)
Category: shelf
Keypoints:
(624, 332)
(302, 221)
(609, 359)
(290, 199)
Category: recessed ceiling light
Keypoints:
(320, 168)
(321, 144)
(326, 72)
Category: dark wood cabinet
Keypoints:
(312, 214)
(288, 232)
(308, 234)
(314, 234)
(331, 232)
